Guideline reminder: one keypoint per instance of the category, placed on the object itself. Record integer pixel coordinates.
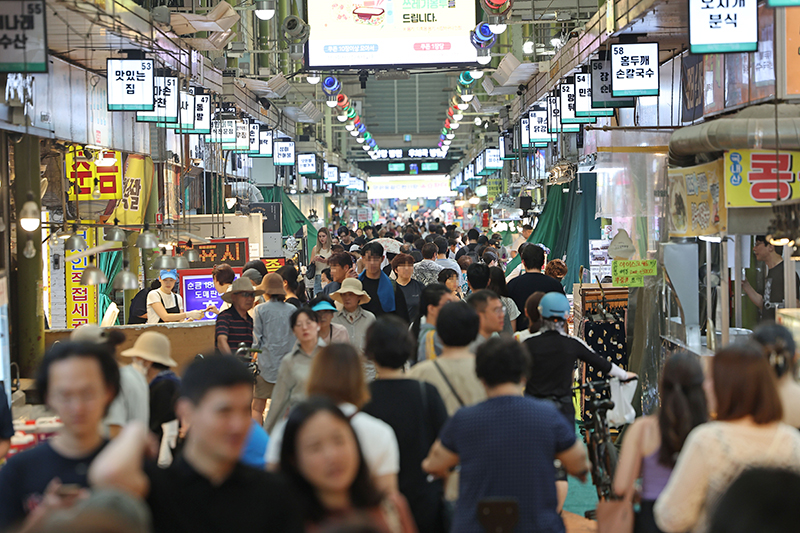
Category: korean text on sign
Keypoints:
(85, 176)
(755, 178)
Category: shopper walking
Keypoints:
(294, 286)
(497, 284)
(652, 444)
(416, 420)
(234, 325)
(429, 344)
(492, 314)
(377, 284)
(779, 348)
(747, 432)
(329, 332)
(427, 270)
(533, 316)
(273, 336)
(341, 265)
(521, 287)
(295, 366)
(403, 266)
(355, 319)
(319, 257)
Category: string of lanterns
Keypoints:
(332, 88)
(458, 104)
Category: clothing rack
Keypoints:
(592, 298)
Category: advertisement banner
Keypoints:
(172, 180)
(85, 177)
(81, 299)
(756, 178)
(136, 191)
(697, 200)
(430, 186)
(631, 273)
(197, 288)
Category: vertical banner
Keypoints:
(136, 191)
(697, 200)
(81, 299)
(84, 176)
(172, 179)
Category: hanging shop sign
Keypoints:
(222, 131)
(524, 132)
(718, 26)
(199, 293)
(538, 121)
(756, 178)
(631, 273)
(306, 164)
(241, 142)
(130, 84)
(331, 174)
(186, 113)
(554, 115)
(493, 159)
(583, 98)
(202, 114)
(273, 264)
(692, 87)
(23, 36)
(138, 179)
(232, 251)
(165, 101)
(600, 80)
(284, 153)
(85, 177)
(480, 164)
(81, 299)
(264, 143)
(255, 130)
(344, 179)
(634, 69)
(697, 200)
(469, 172)
(567, 101)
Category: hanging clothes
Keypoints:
(607, 339)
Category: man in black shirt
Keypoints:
(383, 297)
(774, 294)
(206, 488)
(472, 236)
(521, 287)
(79, 382)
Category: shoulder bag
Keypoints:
(450, 385)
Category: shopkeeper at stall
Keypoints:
(163, 305)
(773, 296)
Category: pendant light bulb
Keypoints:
(29, 252)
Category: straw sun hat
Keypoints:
(354, 286)
(152, 346)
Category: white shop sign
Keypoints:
(130, 84)
(306, 164)
(717, 26)
(23, 37)
(165, 101)
(634, 69)
(284, 153)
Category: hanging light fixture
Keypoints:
(146, 240)
(181, 263)
(484, 56)
(450, 135)
(265, 9)
(476, 74)
(29, 216)
(125, 279)
(93, 275)
(313, 78)
(114, 233)
(190, 253)
(331, 87)
(75, 242)
(466, 94)
(29, 251)
(164, 261)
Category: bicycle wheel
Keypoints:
(606, 466)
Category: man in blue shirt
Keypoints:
(506, 445)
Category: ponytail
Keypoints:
(683, 404)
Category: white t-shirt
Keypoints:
(376, 437)
(133, 400)
(167, 299)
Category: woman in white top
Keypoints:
(163, 305)
(779, 349)
(337, 373)
(748, 432)
(320, 254)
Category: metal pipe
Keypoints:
(725, 292)
(737, 286)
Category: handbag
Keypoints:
(311, 270)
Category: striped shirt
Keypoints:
(238, 329)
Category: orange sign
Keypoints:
(85, 177)
(792, 69)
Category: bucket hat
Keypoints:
(354, 286)
(152, 346)
(273, 283)
(240, 285)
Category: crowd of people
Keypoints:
(409, 385)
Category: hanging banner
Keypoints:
(524, 131)
(165, 102)
(791, 53)
(172, 178)
(692, 86)
(538, 127)
(601, 87)
(81, 299)
(130, 210)
(719, 26)
(85, 177)
(634, 69)
(756, 178)
(568, 109)
(697, 200)
(631, 273)
(583, 98)
(23, 36)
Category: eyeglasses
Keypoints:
(306, 324)
(247, 294)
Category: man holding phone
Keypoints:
(78, 382)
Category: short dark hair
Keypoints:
(478, 276)
(457, 324)
(489, 255)
(473, 234)
(102, 353)
(763, 239)
(527, 227)
(223, 273)
(409, 238)
(402, 259)
(217, 371)
(363, 494)
(744, 385)
(342, 259)
(464, 262)
(445, 274)
(419, 243)
(372, 248)
(305, 310)
(483, 239)
(327, 273)
(441, 244)
(777, 346)
(533, 257)
(388, 342)
(760, 499)
(502, 360)
(429, 251)
(478, 300)
(342, 231)
(257, 265)
(431, 295)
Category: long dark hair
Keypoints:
(294, 281)
(683, 404)
(497, 281)
(363, 494)
(778, 347)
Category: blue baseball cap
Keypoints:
(323, 306)
(164, 274)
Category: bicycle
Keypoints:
(602, 452)
(247, 355)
